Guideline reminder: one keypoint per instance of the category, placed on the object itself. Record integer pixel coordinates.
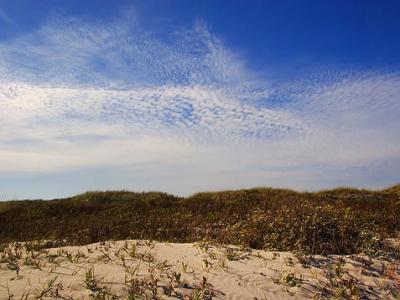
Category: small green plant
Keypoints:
(222, 264)
(70, 258)
(104, 294)
(91, 282)
(342, 284)
(290, 279)
(133, 251)
(131, 271)
(35, 263)
(203, 291)
(207, 264)
(177, 278)
(304, 259)
(51, 289)
(13, 265)
(231, 254)
(275, 255)
(136, 289)
(185, 267)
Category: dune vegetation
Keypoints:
(338, 221)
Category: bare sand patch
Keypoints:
(136, 269)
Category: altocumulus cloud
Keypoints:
(184, 113)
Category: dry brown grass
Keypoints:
(339, 221)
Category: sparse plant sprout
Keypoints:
(339, 268)
(35, 263)
(50, 289)
(259, 256)
(152, 285)
(52, 258)
(125, 244)
(290, 279)
(75, 271)
(105, 257)
(133, 251)
(25, 295)
(123, 260)
(207, 264)
(53, 268)
(177, 278)
(91, 282)
(184, 266)
(9, 294)
(203, 291)
(304, 259)
(342, 284)
(288, 261)
(136, 288)
(163, 266)
(132, 271)
(314, 273)
(80, 255)
(204, 245)
(148, 257)
(222, 264)
(231, 254)
(70, 258)
(149, 243)
(13, 265)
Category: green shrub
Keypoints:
(339, 221)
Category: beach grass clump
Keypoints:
(339, 221)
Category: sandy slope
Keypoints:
(187, 271)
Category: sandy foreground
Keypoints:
(150, 270)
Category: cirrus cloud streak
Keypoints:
(78, 96)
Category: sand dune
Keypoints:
(143, 269)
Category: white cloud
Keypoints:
(185, 111)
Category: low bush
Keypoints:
(340, 221)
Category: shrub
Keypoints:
(340, 221)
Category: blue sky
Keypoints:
(187, 96)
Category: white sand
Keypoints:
(230, 273)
